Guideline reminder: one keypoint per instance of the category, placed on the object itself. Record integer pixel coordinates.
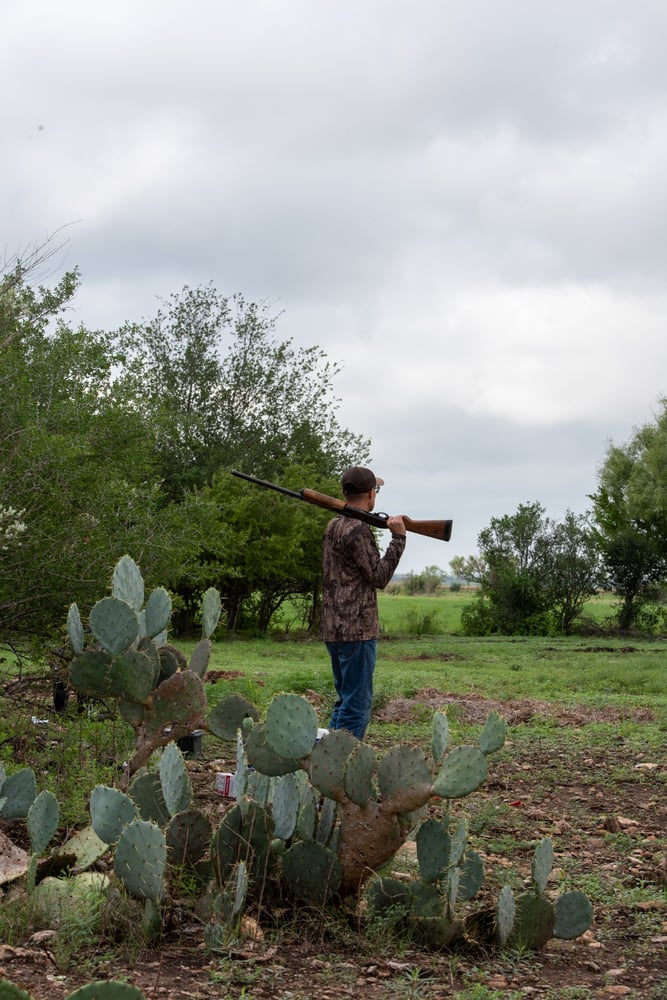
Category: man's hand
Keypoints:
(396, 525)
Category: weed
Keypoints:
(412, 985)
(16, 916)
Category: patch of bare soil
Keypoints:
(474, 708)
(610, 832)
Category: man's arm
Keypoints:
(377, 569)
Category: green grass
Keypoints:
(566, 671)
(74, 752)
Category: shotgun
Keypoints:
(432, 529)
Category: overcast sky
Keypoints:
(461, 201)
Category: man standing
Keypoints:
(353, 570)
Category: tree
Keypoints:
(78, 462)
(429, 581)
(115, 442)
(534, 574)
(473, 569)
(630, 512)
(267, 549)
(222, 391)
(572, 571)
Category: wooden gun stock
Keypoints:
(441, 530)
(432, 529)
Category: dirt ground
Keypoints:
(611, 832)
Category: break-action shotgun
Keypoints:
(432, 529)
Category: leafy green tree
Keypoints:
(630, 512)
(78, 461)
(572, 570)
(119, 442)
(267, 549)
(222, 391)
(535, 574)
(473, 569)
(429, 581)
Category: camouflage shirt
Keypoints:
(353, 569)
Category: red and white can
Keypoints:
(225, 783)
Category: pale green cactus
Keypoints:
(158, 692)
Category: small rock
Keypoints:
(43, 937)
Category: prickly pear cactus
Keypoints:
(537, 918)
(369, 805)
(158, 692)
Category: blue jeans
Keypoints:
(353, 664)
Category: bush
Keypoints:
(426, 624)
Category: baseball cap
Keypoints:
(358, 479)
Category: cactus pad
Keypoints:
(181, 700)
(171, 661)
(328, 761)
(127, 583)
(146, 793)
(359, 771)
(403, 767)
(291, 725)
(9, 991)
(188, 837)
(311, 871)
(459, 842)
(389, 898)
(505, 914)
(110, 811)
(433, 850)
(326, 821)
(574, 915)
(225, 720)
(463, 771)
(439, 736)
(533, 923)
(201, 655)
(157, 613)
(18, 792)
(264, 758)
(140, 859)
(542, 864)
(176, 785)
(426, 899)
(471, 876)
(114, 624)
(437, 932)
(133, 676)
(493, 735)
(43, 820)
(211, 610)
(86, 847)
(90, 673)
(285, 804)
(107, 990)
(75, 629)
